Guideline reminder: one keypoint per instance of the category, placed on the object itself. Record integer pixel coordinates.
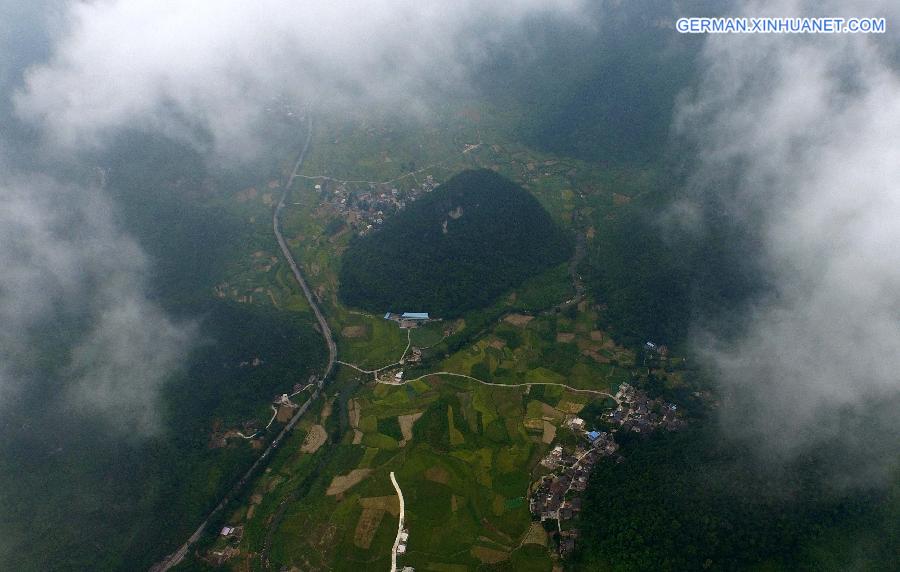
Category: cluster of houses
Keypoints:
(653, 348)
(226, 290)
(226, 548)
(636, 412)
(219, 437)
(365, 210)
(557, 496)
(404, 538)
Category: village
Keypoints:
(365, 210)
(556, 497)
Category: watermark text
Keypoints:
(781, 25)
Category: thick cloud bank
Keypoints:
(217, 64)
(66, 268)
(801, 135)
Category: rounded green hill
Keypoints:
(453, 250)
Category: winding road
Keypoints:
(481, 381)
(176, 557)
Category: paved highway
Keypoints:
(286, 251)
(176, 557)
(399, 524)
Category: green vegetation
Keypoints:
(453, 250)
(549, 348)
(692, 501)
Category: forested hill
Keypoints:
(454, 249)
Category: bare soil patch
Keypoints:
(535, 535)
(366, 526)
(549, 432)
(406, 426)
(534, 425)
(551, 412)
(597, 335)
(390, 504)
(354, 332)
(599, 358)
(620, 200)
(520, 320)
(326, 411)
(314, 439)
(570, 406)
(342, 483)
(353, 412)
(246, 195)
(565, 337)
(489, 555)
(284, 413)
(437, 475)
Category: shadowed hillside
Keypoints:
(455, 249)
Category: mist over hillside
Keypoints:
(735, 196)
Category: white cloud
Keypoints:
(65, 262)
(811, 125)
(216, 63)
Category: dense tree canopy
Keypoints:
(693, 501)
(453, 250)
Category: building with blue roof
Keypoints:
(415, 316)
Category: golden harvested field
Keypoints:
(489, 555)
(406, 426)
(438, 475)
(390, 504)
(549, 432)
(314, 439)
(354, 332)
(535, 535)
(520, 320)
(366, 526)
(342, 483)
